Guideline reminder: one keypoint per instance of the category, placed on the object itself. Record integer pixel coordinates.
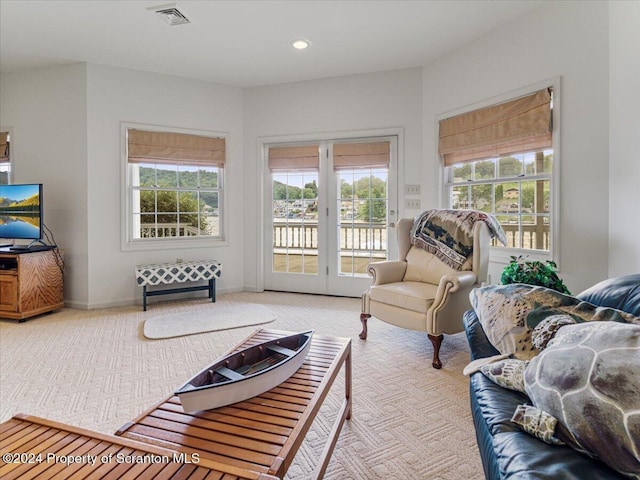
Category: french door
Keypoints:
(329, 209)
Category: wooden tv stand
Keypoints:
(30, 283)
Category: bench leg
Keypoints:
(144, 298)
(212, 289)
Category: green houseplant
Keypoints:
(533, 272)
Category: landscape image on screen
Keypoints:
(20, 211)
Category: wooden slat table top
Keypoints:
(33, 447)
(263, 433)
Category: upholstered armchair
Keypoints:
(420, 292)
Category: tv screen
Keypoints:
(21, 211)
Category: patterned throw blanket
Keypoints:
(448, 234)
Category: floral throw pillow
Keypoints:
(503, 310)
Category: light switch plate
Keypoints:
(412, 203)
(412, 189)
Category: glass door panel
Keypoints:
(362, 227)
(295, 222)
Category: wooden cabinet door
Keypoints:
(9, 293)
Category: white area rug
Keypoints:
(216, 318)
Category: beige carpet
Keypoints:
(212, 319)
(96, 370)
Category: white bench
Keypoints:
(169, 273)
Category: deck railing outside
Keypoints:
(161, 230)
(354, 237)
(367, 237)
(299, 234)
(534, 237)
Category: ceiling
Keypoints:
(246, 43)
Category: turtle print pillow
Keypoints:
(587, 378)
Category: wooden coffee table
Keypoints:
(33, 447)
(264, 433)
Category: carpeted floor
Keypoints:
(96, 370)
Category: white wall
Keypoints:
(567, 39)
(66, 127)
(334, 105)
(46, 109)
(118, 95)
(624, 139)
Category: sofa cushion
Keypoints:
(414, 296)
(621, 293)
(521, 456)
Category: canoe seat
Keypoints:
(282, 350)
(230, 374)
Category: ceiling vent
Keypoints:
(170, 14)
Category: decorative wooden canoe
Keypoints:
(246, 373)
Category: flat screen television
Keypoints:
(21, 211)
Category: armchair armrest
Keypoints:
(451, 301)
(388, 271)
(458, 280)
(450, 283)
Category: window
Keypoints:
(504, 166)
(515, 188)
(175, 186)
(5, 159)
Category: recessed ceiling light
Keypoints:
(300, 44)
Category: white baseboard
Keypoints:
(138, 299)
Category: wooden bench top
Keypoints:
(261, 434)
(35, 447)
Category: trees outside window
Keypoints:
(516, 189)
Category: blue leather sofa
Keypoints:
(506, 451)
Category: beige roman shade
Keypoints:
(302, 157)
(169, 147)
(4, 146)
(361, 155)
(520, 125)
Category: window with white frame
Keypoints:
(515, 188)
(5, 159)
(175, 186)
(502, 164)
